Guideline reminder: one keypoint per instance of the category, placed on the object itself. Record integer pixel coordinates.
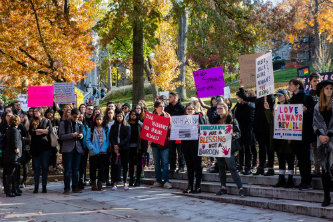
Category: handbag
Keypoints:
(54, 137)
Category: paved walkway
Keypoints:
(138, 204)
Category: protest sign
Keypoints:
(23, 98)
(155, 128)
(215, 140)
(288, 121)
(40, 96)
(264, 75)
(184, 127)
(324, 76)
(64, 92)
(165, 94)
(304, 71)
(227, 92)
(247, 68)
(209, 82)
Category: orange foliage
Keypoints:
(42, 42)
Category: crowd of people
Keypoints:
(110, 142)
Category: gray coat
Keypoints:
(325, 151)
(68, 143)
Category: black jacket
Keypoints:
(260, 122)
(308, 135)
(42, 142)
(244, 113)
(125, 135)
(13, 141)
(176, 110)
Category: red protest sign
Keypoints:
(155, 128)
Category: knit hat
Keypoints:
(128, 105)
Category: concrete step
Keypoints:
(299, 202)
(248, 179)
(254, 190)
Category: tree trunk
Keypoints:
(317, 39)
(148, 72)
(138, 63)
(181, 56)
(109, 81)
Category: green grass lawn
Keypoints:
(280, 77)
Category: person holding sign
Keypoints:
(161, 153)
(302, 148)
(225, 117)
(323, 127)
(192, 160)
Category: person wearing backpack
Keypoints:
(98, 144)
(70, 133)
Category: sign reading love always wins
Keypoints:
(215, 140)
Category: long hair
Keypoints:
(3, 118)
(124, 122)
(211, 100)
(106, 115)
(35, 120)
(26, 121)
(136, 114)
(64, 115)
(144, 106)
(197, 107)
(228, 116)
(187, 105)
(323, 103)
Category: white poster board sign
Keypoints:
(184, 127)
(23, 98)
(264, 75)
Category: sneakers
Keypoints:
(305, 187)
(126, 188)
(157, 184)
(66, 192)
(167, 185)
(242, 192)
(114, 188)
(221, 191)
(77, 190)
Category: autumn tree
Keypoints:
(44, 41)
(139, 21)
(314, 17)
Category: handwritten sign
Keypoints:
(184, 127)
(40, 96)
(227, 92)
(215, 140)
(264, 75)
(288, 122)
(155, 128)
(209, 82)
(64, 92)
(247, 68)
(324, 76)
(23, 98)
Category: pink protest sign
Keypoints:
(40, 96)
(209, 82)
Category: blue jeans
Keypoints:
(71, 162)
(41, 160)
(161, 161)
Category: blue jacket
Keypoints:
(92, 143)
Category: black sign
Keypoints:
(324, 76)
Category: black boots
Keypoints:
(290, 182)
(327, 200)
(44, 189)
(8, 185)
(281, 182)
(260, 171)
(270, 172)
(36, 189)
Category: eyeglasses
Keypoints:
(138, 108)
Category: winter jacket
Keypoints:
(13, 141)
(125, 135)
(244, 113)
(93, 142)
(65, 135)
(176, 110)
(42, 142)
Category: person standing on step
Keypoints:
(84, 154)
(11, 157)
(175, 108)
(98, 143)
(244, 113)
(323, 127)
(70, 133)
(108, 122)
(192, 160)
(119, 137)
(225, 117)
(40, 130)
(261, 130)
(302, 148)
(161, 153)
(314, 79)
(285, 152)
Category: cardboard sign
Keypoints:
(40, 96)
(23, 98)
(226, 92)
(184, 127)
(165, 94)
(209, 82)
(215, 140)
(264, 75)
(64, 92)
(155, 128)
(288, 121)
(324, 76)
(304, 71)
(247, 68)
